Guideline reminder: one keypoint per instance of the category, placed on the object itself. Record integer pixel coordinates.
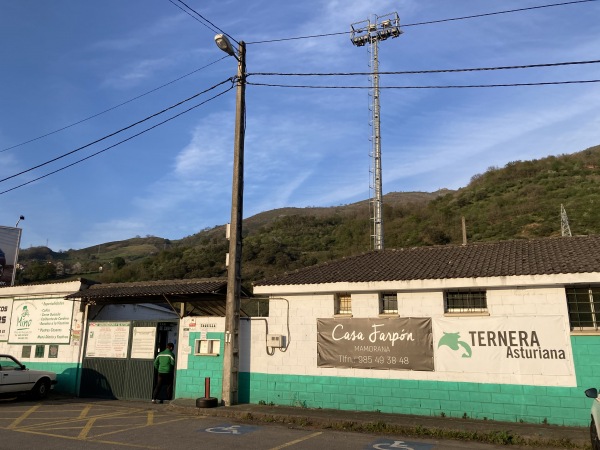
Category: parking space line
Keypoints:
(24, 416)
(86, 429)
(150, 420)
(135, 428)
(85, 411)
(72, 438)
(297, 441)
(74, 420)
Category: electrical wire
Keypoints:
(216, 29)
(113, 107)
(118, 143)
(411, 72)
(116, 132)
(426, 87)
(427, 22)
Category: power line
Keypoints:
(426, 23)
(116, 132)
(411, 72)
(425, 87)
(118, 143)
(204, 20)
(113, 107)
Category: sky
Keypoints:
(75, 72)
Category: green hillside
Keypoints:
(520, 200)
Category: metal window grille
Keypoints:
(388, 302)
(584, 307)
(465, 301)
(343, 304)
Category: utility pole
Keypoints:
(231, 354)
(372, 32)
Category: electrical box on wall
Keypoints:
(275, 340)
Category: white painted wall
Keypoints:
(67, 353)
(295, 316)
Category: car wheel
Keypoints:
(594, 436)
(41, 389)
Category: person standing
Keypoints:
(164, 363)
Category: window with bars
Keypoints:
(343, 304)
(388, 303)
(583, 303)
(465, 302)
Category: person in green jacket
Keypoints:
(164, 363)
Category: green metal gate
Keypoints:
(123, 378)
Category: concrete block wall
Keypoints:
(292, 377)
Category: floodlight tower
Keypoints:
(371, 32)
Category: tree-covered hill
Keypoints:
(520, 200)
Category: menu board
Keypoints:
(142, 343)
(107, 340)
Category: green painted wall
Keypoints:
(510, 403)
(66, 374)
(189, 383)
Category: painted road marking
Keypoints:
(23, 416)
(388, 444)
(237, 430)
(297, 441)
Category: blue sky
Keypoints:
(68, 60)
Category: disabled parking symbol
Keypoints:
(235, 430)
(388, 444)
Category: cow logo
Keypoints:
(453, 341)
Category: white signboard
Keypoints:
(41, 321)
(142, 343)
(107, 340)
(5, 309)
(503, 345)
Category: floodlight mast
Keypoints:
(371, 32)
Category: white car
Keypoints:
(595, 424)
(15, 378)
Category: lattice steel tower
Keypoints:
(565, 229)
(371, 32)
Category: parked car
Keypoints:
(2, 263)
(595, 413)
(15, 378)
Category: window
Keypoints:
(388, 303)
(207, 347)
(39, 351)
(465, 302)
(343, 304)
(583, 303)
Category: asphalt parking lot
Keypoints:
(72, 423)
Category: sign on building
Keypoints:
(388, 343)
(41, 321)
(537, 345)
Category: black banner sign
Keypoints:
(397, 343)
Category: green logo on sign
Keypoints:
(453, 341)
(22, 321)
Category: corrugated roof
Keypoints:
(153, 288)
(561, 255)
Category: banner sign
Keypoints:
(504, 345)
(107, 340)
(5, 309)
(397, 343)
(41, 321)
(9, 249)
